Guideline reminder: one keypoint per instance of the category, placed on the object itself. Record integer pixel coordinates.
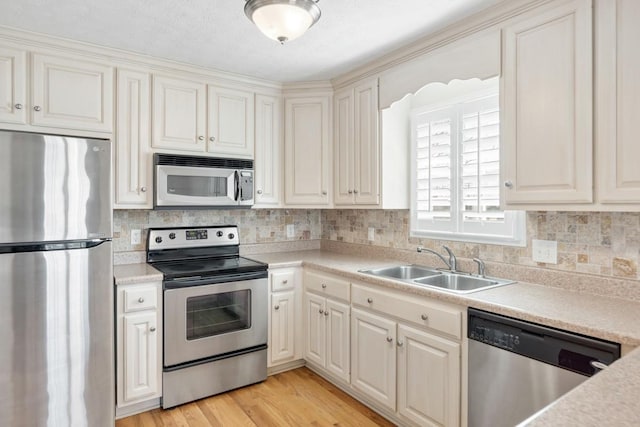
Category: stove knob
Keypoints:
(172, 236)
(158, 239)
(219, 234)
(231, 236)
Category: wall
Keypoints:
(256, 227)
(601, 243)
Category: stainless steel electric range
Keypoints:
(215, 312)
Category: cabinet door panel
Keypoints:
(134, 177)
(428, 378)
(231, 122)
(618, 91)
(140, 368)
(307, 151)
(315, 326)
(373, 357)
(13, 85)
(268, 160)
(178, 114)
(366, 149)
(281, 346)
(71, 93)
(338, 339)
(547, 108)
(343, 148)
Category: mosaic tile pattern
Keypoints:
(600, 243)
(256, 226)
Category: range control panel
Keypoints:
(192, 237)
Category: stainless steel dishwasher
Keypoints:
(517, 368)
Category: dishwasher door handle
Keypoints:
(599, 366)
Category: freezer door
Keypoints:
(54, 188)
(56, 339)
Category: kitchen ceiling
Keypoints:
(216, 33)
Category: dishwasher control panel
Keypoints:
(498, 337)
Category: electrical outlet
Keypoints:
(545, 251)
(291, 231)
(372, 234)
(136, 237)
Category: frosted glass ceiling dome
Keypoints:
(282, 20)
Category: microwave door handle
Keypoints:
(236, 178)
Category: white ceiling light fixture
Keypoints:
(282, 20)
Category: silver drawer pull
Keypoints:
(399, 343)
(321, 311)
(324, 286)
(389, 339)
(424, 317)
(37, 108)
(277, 307)
(370, 300)
(152, 329)
(326, 312)
(140, 300)
(18, 106)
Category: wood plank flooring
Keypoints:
(294, 398)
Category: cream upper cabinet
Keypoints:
(133, 157)
(179, 114)
(230, 122)
(13, 85)
(546, 90)
(307, 151)
(617, 95)
(268, 155)
(357, 150)
(71, 93)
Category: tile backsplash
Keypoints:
(601, 243)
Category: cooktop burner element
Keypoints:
(198, 251)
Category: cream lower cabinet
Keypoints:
(138, 347)
(284, 316)
(327, 314)
(406, 355)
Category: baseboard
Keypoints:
(285, 367)
(137, 408)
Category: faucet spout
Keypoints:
(421, 249)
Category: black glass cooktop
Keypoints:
(208, 267)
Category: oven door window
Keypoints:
(216, 314)
(197, 186)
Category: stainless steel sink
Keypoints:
(403, 272)
(461, 283)
(443, 280)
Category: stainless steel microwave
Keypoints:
(194, 182)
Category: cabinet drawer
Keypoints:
(327, 285)
(282, 280)
(140, 298)
(437, 316)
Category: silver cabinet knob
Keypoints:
(399, 343)
(389, 339)
(324, 193)
(140, 300)
(370, 300)
(424, 317)
(508, 184)
(152, 329)
(201, 138)
(326, 312)
(324, 286)
(143, 189)
(285, 281)
(355, 191)
(350, 192)
(212, 139)
(259, 191)
(18, 106)
(321, 311)
(37, 108)
(277, 307)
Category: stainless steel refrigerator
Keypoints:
(56, 281)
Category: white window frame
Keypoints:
(512, 232)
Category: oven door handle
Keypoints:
(236, 177)
(211, 280)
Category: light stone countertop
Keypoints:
(608, 398)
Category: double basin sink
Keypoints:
(444, 280)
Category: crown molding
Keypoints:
(319, 87)
(486, 19)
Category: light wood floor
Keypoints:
(294, 398)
